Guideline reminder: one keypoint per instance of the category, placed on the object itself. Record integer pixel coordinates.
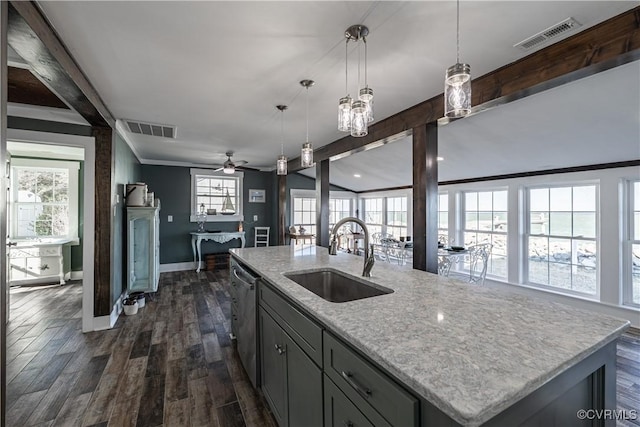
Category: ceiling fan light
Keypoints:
(306, 155)
(344, 114)
(229, 167)
(281, 165)
(359, 122)
(457, 90)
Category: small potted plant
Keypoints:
(130, 306)
(139, 296)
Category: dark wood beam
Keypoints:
(282, 208)
(35, 40)
(322, 203)
(105, 151)
(25, 88)
(613, 42)
(425, 198)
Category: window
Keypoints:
(485, 221)
(397, 216)
(304, 213)
(219, 191)
(44, 198)
(632, 254)
(373, 214)
(443, 216)
(338, 209)
(562, 250)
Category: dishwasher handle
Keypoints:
(243, 276)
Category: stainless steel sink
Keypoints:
(335, 286)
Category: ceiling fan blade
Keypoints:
(240, 162)
(219, 169)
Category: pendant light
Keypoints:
(281, 163)
(306, 156)
(355, 115)
(457, 82)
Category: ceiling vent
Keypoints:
(548, 34)
(151, 129)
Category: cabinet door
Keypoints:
(304, 381)
(273, 363)
(339, 411)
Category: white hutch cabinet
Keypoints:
(143, 248)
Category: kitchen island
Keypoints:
(474, 354)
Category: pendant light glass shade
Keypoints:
(344, 114)
(457, 90)
(306, 155)
(366, 96)
(457, 81)
(281, 165)
(355, 114)
(359, 122)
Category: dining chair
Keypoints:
(478, 258)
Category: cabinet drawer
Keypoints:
(306, 333)
(45, 266)
(51, 251)
(339, 411)
(367, 386)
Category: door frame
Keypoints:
(88, 228)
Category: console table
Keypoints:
(218, 237)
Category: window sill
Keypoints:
(219, 218)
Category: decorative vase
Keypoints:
(130, 306)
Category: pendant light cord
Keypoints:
(358, 88)
(346, 67)
(307, 113)
(364, 39)
(457, 31)
(282, 132)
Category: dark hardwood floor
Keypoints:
(172, 364)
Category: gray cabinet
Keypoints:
(143, 248)
(339, 411)
(291, 381)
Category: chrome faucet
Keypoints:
(368, 256)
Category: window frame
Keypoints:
(526, 227)
(628, 240)
(462, 230)
(237, 177)
(73, 168)
(296, 193)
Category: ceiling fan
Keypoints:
(229, 165)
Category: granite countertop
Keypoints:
(472, 351)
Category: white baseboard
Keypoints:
(630, 314)
(76, 275)
(177, 266)
(101, 323)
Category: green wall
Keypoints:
(172, 185)
(127, 170)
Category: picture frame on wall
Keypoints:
(257, 196)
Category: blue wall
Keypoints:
(172, 185)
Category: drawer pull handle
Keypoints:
(348, 424)
(280, 350)
(348, 376)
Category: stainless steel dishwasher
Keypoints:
(243, 317)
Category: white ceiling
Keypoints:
(216, 70)
(589, 121)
